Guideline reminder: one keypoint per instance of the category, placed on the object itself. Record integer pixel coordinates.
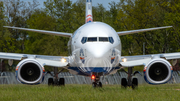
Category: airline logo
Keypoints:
(89, 18)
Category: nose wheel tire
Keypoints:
(94, 84)
(123, 83)
(100, 84)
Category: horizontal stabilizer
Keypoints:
(140, 30)
(42, 31)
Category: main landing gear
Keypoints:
(130, 82)
(96, 82)
(56, 81)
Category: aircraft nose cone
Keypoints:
(98, 50)
(98, 53)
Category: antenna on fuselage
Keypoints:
(89, 17)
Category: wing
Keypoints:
(140, 30)
(42, 31)
(54, 61)
(139, 60)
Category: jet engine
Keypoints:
(157, 71)
(30, 71)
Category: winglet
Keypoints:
(89, 17)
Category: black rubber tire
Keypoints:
(94, 84)
(134, 83)
(50, 82)
(100, 84)
(61, 82)
(123, 83)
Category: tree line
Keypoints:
(65, 16)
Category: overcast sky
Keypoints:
(95, 2)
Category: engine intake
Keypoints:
(30, 71)
(158, 71)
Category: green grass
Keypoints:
(167, 92)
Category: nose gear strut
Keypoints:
(96, 80)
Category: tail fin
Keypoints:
(89, 17)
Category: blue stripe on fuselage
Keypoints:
(92, 69)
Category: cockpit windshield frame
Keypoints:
(97, 39)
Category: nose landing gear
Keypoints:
(96, 82)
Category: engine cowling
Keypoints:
(30, 71)
(157, 71)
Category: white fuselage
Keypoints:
(95, 47)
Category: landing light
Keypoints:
(124, 59)
(93, 77)
(63, 60)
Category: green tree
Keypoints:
(40, 43)
(139, 14)
(17, 12)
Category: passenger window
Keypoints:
(104, 39)
(91, 39)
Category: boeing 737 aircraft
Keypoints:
(95, 51)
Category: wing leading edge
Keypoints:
(142, 60)
(42, 31)
(141, 30)
(54, 61)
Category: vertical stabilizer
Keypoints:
(89, 17)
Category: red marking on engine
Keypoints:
(145, 69)
(43, 69)
(17, 68)
(171, 67)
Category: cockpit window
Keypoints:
(91, 39)
(104, 39)
(96, 39)
(111, 40)
(84, 39)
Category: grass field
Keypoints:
(167, 92)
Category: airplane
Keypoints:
(95, 51)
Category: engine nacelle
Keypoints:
(157, 71)
(30, 71)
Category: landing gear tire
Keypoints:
(123, 83)
(94, 84)
(100, 84)
(134, 83)
(61, 82)
(50, 82)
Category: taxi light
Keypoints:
(124, 59)
(93, 77)
(63, 60)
